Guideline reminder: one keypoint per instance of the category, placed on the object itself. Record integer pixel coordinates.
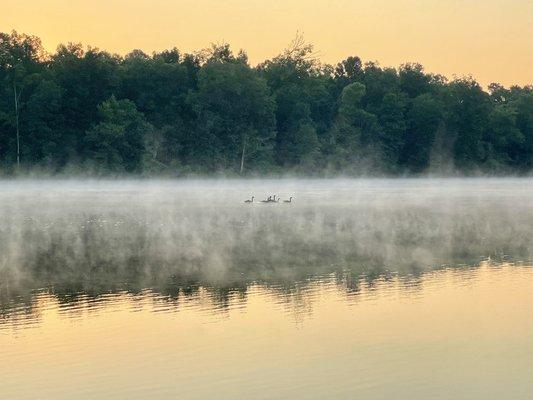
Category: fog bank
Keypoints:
(94, 233)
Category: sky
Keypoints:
(491, 40)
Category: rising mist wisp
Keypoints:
(97, 234)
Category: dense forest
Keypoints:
(83, 110)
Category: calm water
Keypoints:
(370, 289)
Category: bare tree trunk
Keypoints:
(242, 156)
(17, 121)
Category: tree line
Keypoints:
(83, 109)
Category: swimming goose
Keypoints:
(250, 201)
(288, 201)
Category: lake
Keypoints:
(357, 289)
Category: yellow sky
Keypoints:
(491, 40)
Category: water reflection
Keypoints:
(359, 289)
(21, 306)
(408, 336)
(174, 238)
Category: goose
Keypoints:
(288, 201)
(250, 201)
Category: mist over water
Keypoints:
(177, 238)
(380, 289)
(148, 233)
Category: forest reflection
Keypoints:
(22, 305)
(85, 245)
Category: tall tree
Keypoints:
(87, 78)
(235, 116)
(117, 142)
(423, 119)
(393, 130)
(305, 107)
(468, 108)
(21, 56)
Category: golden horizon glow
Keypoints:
(490, 40)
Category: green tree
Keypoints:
(423, 119)
(87, 78)
(21, 56)
(117, 142)
(355, 131)
(468, 108)
(522, 103)
(504, 141)
(235, 117)
(393, 130)
(42, 122)
(413, 80)
(304, 103)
